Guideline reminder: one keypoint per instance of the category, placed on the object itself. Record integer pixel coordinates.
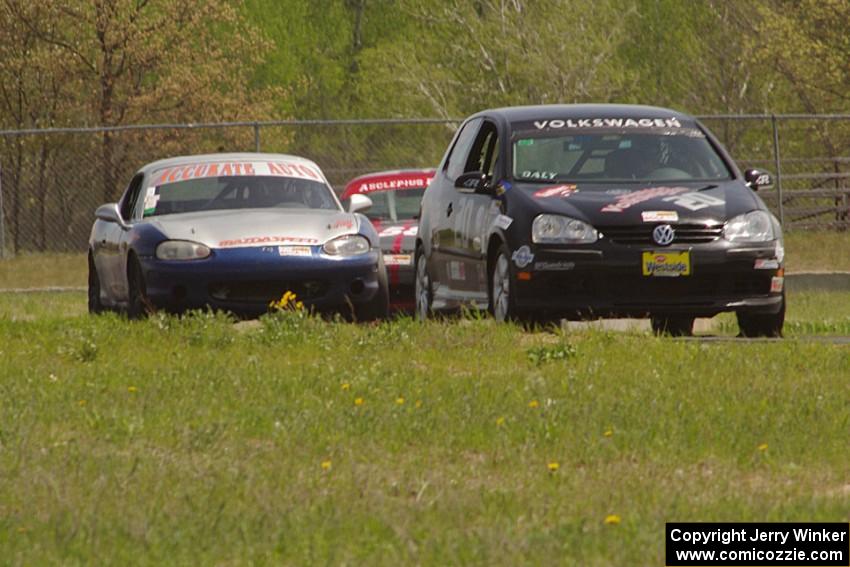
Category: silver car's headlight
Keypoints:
(348, 245)
(755, 226)
(181, 250)
(556, 229)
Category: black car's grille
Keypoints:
(624, 289)
(686, 233)
(266, 291)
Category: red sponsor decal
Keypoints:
(230, 169)
(389, 182)
(623, 202)
(292, 170)
(255, 240)
(343, 223)
(198, 171)
(556, 191)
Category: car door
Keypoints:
(131, 212)
(442, 208)
(110, 248)
(476, 212)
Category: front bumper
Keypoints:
(607, 280)
(400, 276)
(246, 280)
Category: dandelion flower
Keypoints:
(132, 389)
(346, 387)
(500, 421)
(612, 520)
(326, 465)
(533, 404)
(762, 447)
(399, 400)
(608, 432)
(358, 401)
(554, 466)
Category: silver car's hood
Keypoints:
(257, 227)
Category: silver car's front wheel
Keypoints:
(423, 288)
(501, 288)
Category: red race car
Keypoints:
(395, 196)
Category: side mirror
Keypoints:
(757, 179)
(110, 213)
(359, 202)
(473, 182)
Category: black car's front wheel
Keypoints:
(762, 324)
(502, 292)
(423, 291)
(94, 302)
(673, 325)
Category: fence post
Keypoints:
(2, 218)
(257, 137)
(778, 170)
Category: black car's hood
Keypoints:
(619, 205)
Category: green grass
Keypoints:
(805, 251)
(817, 251)
(40, 270)
(175, 441)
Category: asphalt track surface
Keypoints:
(703, 329)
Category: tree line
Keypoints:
(71, 63)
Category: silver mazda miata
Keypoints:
(234, 232)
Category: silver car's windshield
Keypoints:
(237, 192)
(616, 156)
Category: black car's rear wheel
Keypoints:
(95, 305)
(138, 305)
(673, 325)
(762, 324)
(423, 291)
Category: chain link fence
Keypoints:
(51, 181)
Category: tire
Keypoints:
(762, 324)
(502, 298)
(379, 306)
(95, 304)
(423, 289)
(672, 325)
(138, 305)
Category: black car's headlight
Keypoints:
(755, 226)
(348, 245)
(181, 250)
(557, 229)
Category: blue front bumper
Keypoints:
(245, 280)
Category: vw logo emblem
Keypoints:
(663, 234)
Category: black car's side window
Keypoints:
(459, 153)
(484, 153)
(131, 197)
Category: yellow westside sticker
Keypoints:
(667, 264)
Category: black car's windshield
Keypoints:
(605, 156)
(398, 205)
(237, 192)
